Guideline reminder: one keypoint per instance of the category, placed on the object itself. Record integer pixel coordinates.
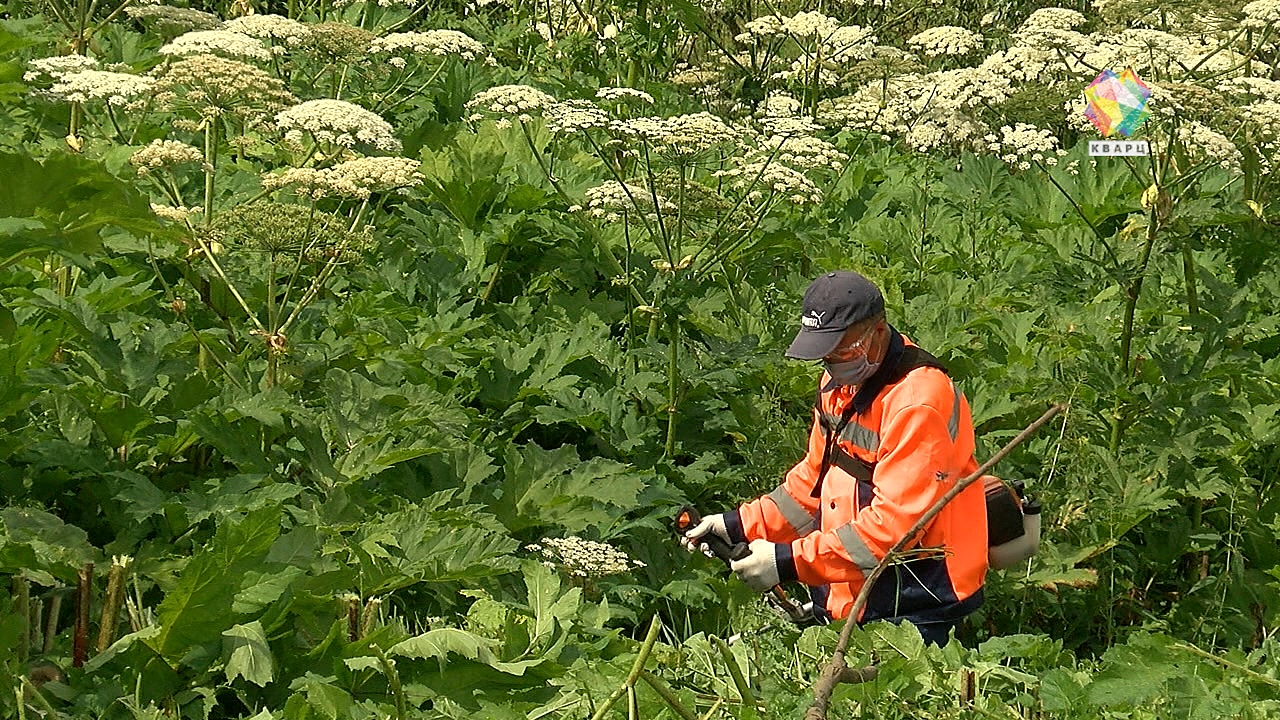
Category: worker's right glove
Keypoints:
(710, 525)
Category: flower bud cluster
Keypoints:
(176, 214)
(164, 153)
(582, 558)
(1262, 14)
(337, 122)
(211, 85)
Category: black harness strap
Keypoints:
(899, 360)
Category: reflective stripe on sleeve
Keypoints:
(857, 549)
(793, 512)
(953, 425)
(861, 437)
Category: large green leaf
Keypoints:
(246, 654)
(63, 203)
(438, 644)
(41, 546)
(555, 488)
(199, 608)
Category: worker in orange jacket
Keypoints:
(891, 435)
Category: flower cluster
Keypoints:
(164, 153)
(176, 214)
(211, 86)
(681, 136)
(440, 43)
(518, 100)
(276, 28)
(1205, 143)
(1252, 87)
(1261, 14)
(946, 40)
(337, 42)
(801, 25)
(570, 116)
(380, 174)
(758, 177)
(113, 87)
(216, 42)
(170, 20)
(313, 183)
(1023, 144)
(623, 93)
(1266, 117)
(803, 152)
(380, 3)
(337, 122)
(582, 558)
(612, 200)
(1051, 18)
(46, 70)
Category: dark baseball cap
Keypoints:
(831, 304)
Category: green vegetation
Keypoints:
(355, 355)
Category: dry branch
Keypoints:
(835, 670)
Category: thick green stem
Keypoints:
(22, 603)
(673, 379)
(1189, 277)
(210, 166)
(1132, 293)
(636, 669)
(84, 596)
(112, 603)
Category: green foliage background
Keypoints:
(337, 527)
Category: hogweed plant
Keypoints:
(687, 192)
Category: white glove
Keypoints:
(759, 570)
(710, 525)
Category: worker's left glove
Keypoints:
(759, 570)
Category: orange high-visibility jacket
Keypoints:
(917, 435)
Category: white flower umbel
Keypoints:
(164, 153)
(623, 93)
(779, 106)
(518, 100)
(440, 43)
(173, 20)
(759, 179)
(113, 87)
(803, 152)
(313, 183)
(1265, 116)
(1261, 13)
(847, 44)
(1052, 18)
(211, 86)
(276, 28)
(945, 40)
(217, 42)
(1205, 143)
(337, 122)
(1023, 144)
(612, 200)
(176, 214)
(682, 136)
(46, 70)
(379, 3)
(571, 116)
(380, 174)
(581, 558)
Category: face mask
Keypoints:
(850, 372)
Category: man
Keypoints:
(891, 434)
